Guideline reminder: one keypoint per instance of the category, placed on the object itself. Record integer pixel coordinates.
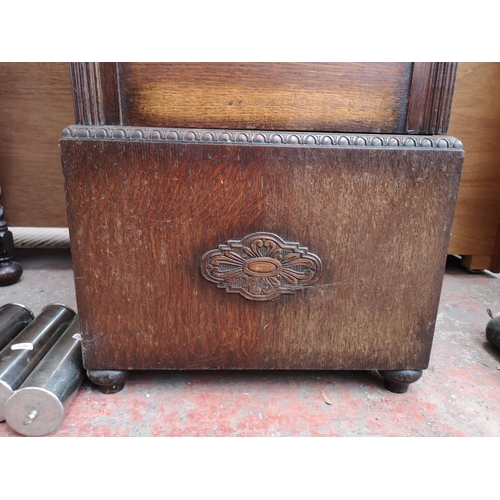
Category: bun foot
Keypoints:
(109, 381)
(398, 380)
(10, 271)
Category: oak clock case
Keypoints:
(257, 249)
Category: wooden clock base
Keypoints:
(219, 249)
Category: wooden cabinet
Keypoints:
(218, 223)
(475, 118)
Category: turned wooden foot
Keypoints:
(10, 271)
(399, 380)
(109, 381)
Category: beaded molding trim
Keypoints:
(151, 134)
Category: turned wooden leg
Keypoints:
(399, 380)
(109, 381)
(10, 271)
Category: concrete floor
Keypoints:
(457, 395)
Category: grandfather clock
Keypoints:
(260, 215)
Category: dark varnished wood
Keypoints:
(412, 98)
(95, 93)
(143, 209)
(431, 94)
(10, 271)
(354, 97)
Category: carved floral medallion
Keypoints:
(261, 266)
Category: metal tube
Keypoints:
(37, 407)
(22, 354)
(13, 319)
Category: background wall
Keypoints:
(36, 103)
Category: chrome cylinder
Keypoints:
(13, 319)
(23, 353)
(37, 407)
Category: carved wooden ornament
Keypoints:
(261, 266)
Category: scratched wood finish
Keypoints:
(142, 215)
(366, 97)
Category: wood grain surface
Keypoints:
(368, 97)
(95, 93)
(35, 105)
(475, 119)
(431, 95)
(142, 215)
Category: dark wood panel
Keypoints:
(368, 97)
(35, 105)
(143, 213)
(95, 93)
(431, 96)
